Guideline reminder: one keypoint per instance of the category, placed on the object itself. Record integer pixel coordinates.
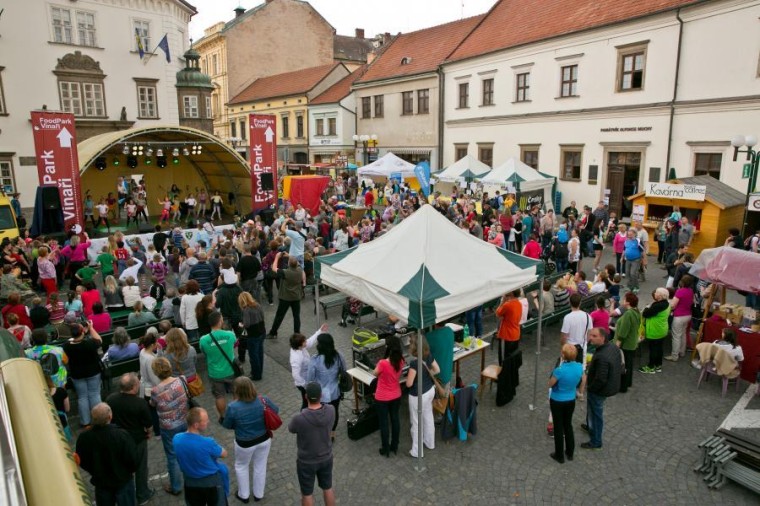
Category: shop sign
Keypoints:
(754, 202)
(676, 191)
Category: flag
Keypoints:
(140, 48)
(164, 45)
(422, 171)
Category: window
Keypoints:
(523, 87)
(332, 126)
(94, 105)
(460, 151)
(320, 127)
(529, 156)
(6, 176)
(80, 85)
(215, 104)
(71, 98)
(242, 129)
(209, 110)
(86, 28)
(366, 107)
(142, 30)
(299, 126)
(571, 164)
(487, 91)
(146, 101)
(285, 127)
(423, 101)
(3, 110)
(631, 71)
(464, 95)
(379, 106)
(214, 65)
(485, 154)
(233, 129)
(407, 103)
(708, 164)
(569, 81)
(191, 106)
(62, 25)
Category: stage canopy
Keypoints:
(217, 166)
(386, 166)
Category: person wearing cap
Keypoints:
(312, 427)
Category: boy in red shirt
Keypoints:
(532, 248)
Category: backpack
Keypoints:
(49, 363)
(560, 249)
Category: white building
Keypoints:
(82, 57)
(608, 100)
(332, 123)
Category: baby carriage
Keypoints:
(547, 255)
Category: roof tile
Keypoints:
(297, 82)
(339, 90)
(424, 50)
(512, 23)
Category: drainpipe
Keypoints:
(441, 82)
(675, 93)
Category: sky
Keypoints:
(375, 16)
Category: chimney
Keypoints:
(360, 33)
(386, 37)
(239, 11)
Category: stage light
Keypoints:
(116, 161)
(160, 152)
(197, 148)
(185, 151)
(137, 150)
(125, 150)
(132, 161)
(100, 163)
(175, 152)
(148, 160)
(149, 151)
(161, 161)
(175, 160)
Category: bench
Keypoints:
(532, 287)
(336, 299)
(721, 461)
(118, 368)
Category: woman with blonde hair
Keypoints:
(429, 369)
(563, 382)
(46, 269)
(181, 356)
(112, 297)
(245, 415)
(252, 320)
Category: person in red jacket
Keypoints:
(532, 249)
(15, 306)
(509, 312)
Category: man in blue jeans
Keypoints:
(603, 381)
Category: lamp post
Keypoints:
(365, 140)
(753, 157)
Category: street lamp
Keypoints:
(753, 157)
(365, 139)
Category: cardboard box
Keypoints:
(735, 317)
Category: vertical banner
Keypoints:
(55, 148)
(422, 171)
(263, 157)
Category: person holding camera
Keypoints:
(84, 367)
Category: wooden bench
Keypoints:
(336, 299)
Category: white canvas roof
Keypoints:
(521, 176)
(467, 167)
(386, 165)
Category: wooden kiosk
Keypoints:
(712, 212)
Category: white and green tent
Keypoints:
(467, 168)
(426, 270)
(524, 178)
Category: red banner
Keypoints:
(55, 147)
(263, 157)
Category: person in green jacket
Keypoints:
(627, 336)
(655, 329)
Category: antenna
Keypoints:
(462, 9)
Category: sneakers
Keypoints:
(646, 370)
(658, 368)
(589, 446)
(672, 358)
(584, 427)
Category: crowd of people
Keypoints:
(205, 290)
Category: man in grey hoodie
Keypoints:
(312, 426)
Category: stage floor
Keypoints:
(133, 228)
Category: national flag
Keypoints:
(140, 48)
(164, 45)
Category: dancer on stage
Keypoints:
(166, 207)
(201, 209)
(217, 202)
(122, 190)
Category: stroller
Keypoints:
(547, 255)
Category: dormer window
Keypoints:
(406, 60)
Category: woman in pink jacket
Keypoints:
(497, 238)
(618, 244)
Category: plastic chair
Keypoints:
(709, 369)
(489, 373)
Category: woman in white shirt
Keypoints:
(300, 357)
(340, 238)
(148, 378)
(130, 293)
(187, 305)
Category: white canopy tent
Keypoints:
(427, 270)
(468, 167)
(524, 178)
(387, 165)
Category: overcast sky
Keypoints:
(375, 16)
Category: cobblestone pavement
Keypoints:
(650, 440)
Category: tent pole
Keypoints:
(701, 330)
(419, 466)
(316, 302)
(538, 340)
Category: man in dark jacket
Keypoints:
(203, 273)
(227, 303)
(603, 381)
(292, 281)
(109, 455)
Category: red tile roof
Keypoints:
(339, 90)
(297, 82)
(425, 50)
(512, 23)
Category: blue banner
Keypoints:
(422, 171)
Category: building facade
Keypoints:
(398, 97)
(287, 97)
(612, 104)
(82, 57)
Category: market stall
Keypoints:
(462, 171)
(387, 166)
(711, 206)
(305, 190)
(530, 186)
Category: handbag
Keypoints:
(196, 387)
(440, 391)
(345, 384)
(272, 420)
(191, 402)
(237, 367)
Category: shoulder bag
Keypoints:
(272, 420)
(194, 387)
(237, 367)
(191, 402)
(345, 384)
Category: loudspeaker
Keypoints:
(267, 216)
(267, 181)
(145, 228)
(51, 199)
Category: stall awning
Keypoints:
(411, 151)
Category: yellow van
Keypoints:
(8, 224)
